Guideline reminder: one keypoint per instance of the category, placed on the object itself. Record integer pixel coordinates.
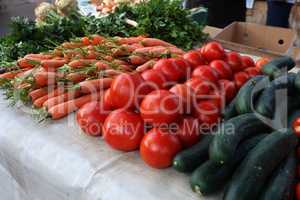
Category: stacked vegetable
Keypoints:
(252, 152)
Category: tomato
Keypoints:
(261, 62)
(296, 126)
(240, 79)
(206, 72)
(215, 97)
(298, 191)
(186, 96)
(252, 71)
(170, 70)
(91, 116)
(189, 131)
(247, 61)
(213, 51)
(207, 112)
(126, 90)
(107, 99)
(222, 68)
(97, 39)
(160, 107)
(158, 148)
(155, 78)
(123, 130)
(85, 41)
(228, 89)
(194, 58)
(235, 61)
(200, 87)
(183, 66)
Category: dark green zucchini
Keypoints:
(278, 66)
(211, 176)
(253, 173)
(297, 81)
(265, 104)
(230, 110)
(231, 133)
(282, 180)
(247, 94)
(189, 159)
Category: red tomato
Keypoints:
(186, 96)
(183, 65)
(207, 112)
(298, 191)
(215, 97)
(261, 62)
(247, 61)
(107, 99)
(206, 72)
(170, 70)
(222, 69)
(296, 126)
(240, 79)
(235, 61)
(158, 148)
(228, 89)
(126, 90)
(194, 58)
(91, 117)
(213, 51)
(189, 131)
(200, 87)
(123, 130)
(155, 78)
(159, 107)
(252, 71)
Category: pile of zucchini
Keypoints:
(252, 153)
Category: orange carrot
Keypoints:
(43, 78)
(76, 77)
(81, 63)
(24, 72)
(53, 63)
(137, 60)
(35, 94)
(148, 65)
(91, 86)
(39, 56)
(9, 75)
(25, 63)
(40, 101)
(97, 39)
(112, 72)
(71, 45)
(61, 98)
(151, 42)
(100, 65)
(130, 40)
(61, 110)
(91, 54)
(119, 62)
(157, 51)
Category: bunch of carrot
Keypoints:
(76, 72)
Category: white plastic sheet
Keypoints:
(54, 161)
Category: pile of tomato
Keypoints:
(162, 110)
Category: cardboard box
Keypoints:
(258, 39)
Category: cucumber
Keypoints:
(297, 81)
(189, 159)
(266, 102)
(278, 66)
(250, 177)
(230, 110)
(211, 176)
(282, 180)
(231, 133)
(247, 94)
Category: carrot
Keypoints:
(43, 78)
(39, 56)
(61, 110)
(148, 65)
(97, 39)
(76, 77)
(100, 65)
(151, 42)
(25, 63)
(112, 72)
(57, 52)
(71, 45)
(157, 51)
(61, 98)
(53, 63)
(35, 94)
(40, 101)
(137, 60)
(125, 49)
(130, 40)
(24, 72)
(9, 75)
(81, 63)
(119, 62)
(91, 86)
(91, 54)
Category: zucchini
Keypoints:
(266, 102)
(297, 81)
(230, 110)
(281, 183)
(247, 94)
(231, 133)
(211, 176)
(189, 159)
(250, 177)
(278, 66)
